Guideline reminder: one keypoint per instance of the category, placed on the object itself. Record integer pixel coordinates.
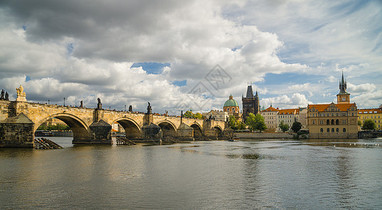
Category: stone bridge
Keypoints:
(20, 119)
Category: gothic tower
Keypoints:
(251, 103)
(343, 97)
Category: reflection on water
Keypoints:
(213, 175)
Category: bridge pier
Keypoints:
(17, 132)
(100, 133)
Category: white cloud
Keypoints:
(192, 37)
(284, 101)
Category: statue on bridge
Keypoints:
(99, 104)
(130, 108)
(2, 95)
(6, 96)
(149, 110)
(21, 96)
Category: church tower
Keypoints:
(251, 103)
(343, 97)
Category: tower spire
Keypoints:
(342, 85)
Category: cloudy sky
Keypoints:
(190, 54)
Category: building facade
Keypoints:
(328, 121)
(289, 116)
(251, 103)
(270, 118)
(217, 115)
(302, 117)
(371, 114)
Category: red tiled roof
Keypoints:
(322, 107)
(369, 111)
(270, 109)
(289, 111)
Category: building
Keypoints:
(270, 118)
(232, 107)
(217, 115)
(371, 114)
(251, 103)
(302, 117)
(334, 120)
(289, 116)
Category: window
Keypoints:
(332, 130)
(328, 130)
(321, 130)
(337, 122)
(332, 122)
(327, 122)
(337, 130)
(344, 130)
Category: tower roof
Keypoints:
(343, 84)
(249, 92)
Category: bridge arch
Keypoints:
(168, 128)
(79, 128)
(132, 128)
(197, 130)
(218, 131)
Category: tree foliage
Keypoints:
(369, 125)
(256, 122)
(235, 124)
(189, 114)
(296, 126)
(284, 127)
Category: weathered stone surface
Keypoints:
(151, 131)
(17, 132)
(185, 132)
(101, 132)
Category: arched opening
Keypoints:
(129, 127)
(332, 122)
(63, 125)
(218, 132)
(327, 122)
(168, 129)
(337, 122)
(197, 131)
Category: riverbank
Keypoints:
(264, 135)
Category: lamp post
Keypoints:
(64, 101)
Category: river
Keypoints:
(197, 175)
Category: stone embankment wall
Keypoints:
(264, 135)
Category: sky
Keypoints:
(181, 55)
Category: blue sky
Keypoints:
(130, 52)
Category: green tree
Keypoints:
(284, 127)
(232, 122)
(296, 126)
(198, 116)
(256, 122)
(241, 125)
(369, 125)
(359, 123)
(188, 114)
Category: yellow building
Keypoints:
(334, 120)
(371, 114)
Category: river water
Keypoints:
(197, 175)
